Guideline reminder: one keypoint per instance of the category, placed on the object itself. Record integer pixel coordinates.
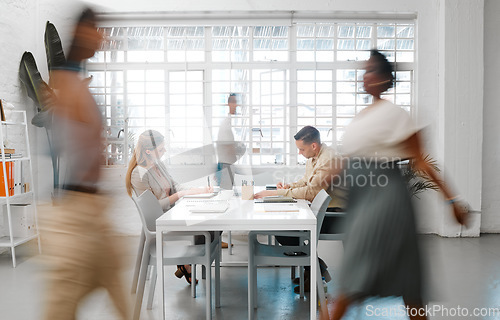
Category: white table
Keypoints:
(243, 216)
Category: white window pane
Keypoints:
(271, 56)
(306, 75)
(135, 75)
(195, 87)
(324, 56)
(403, 75)
(154, 75)
(176, 56)
(346, 31)
(403, 99)
(195, 56)
(135, 87)
(305, 86)
(405, 31)
(305, 31)
(155, 112)
(346, 75)
(403, 87)
(135, 99)
(323, 99)
(155, 99)
(324, 87)
(220, 56)
(326, 31)
(305, 44)
(405, 56)
(177, 87)
(176, 99)
(307, 99)
(194, 76)
(324, 111)
(324, 44)
(363, 32)
(385, 31)
(305, 55)
(344, 98)
(385, 44)
(155, 87)
(145, 56)
(346, 86)
(346, 110)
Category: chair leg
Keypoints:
(292, 272)
(193, 280)
(209, 290)
(142, 282)
(203, 272)
(301, 275)
(138, 262)
(321, 294)
(251, 279)
(217, 279)
(152, 286)
(230, 243)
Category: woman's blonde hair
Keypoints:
(148, 140)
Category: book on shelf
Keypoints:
(8, 150)
(9, 168)
(15, 180)
(13, 155)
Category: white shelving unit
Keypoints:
(9, 241)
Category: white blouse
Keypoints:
(378, 131)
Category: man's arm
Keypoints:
(321, 178)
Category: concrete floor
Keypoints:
(462, 273)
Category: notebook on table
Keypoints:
(276, 199)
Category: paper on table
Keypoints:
(281, 207)
(200, 195)
(207, 206)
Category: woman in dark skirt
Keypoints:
(381, 256)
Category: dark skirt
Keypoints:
(381, 255)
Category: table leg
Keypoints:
(159, 262)
(314, 262)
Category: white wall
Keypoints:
(450, 59)
(491, 145)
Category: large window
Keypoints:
(176, 79)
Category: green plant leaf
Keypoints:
(418, 181)
(37, 89)
(53, 48)
(31, 78)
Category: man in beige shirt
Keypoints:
(320, 161)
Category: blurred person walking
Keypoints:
(79, 246)
(381, 254)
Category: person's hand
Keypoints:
(199, 190)
(265, 193)
(281, 185)
(461, 212)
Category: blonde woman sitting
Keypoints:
(147, 172)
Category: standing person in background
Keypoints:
(226, 149)
(80, 249)
(226, 146)
(381, 254)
